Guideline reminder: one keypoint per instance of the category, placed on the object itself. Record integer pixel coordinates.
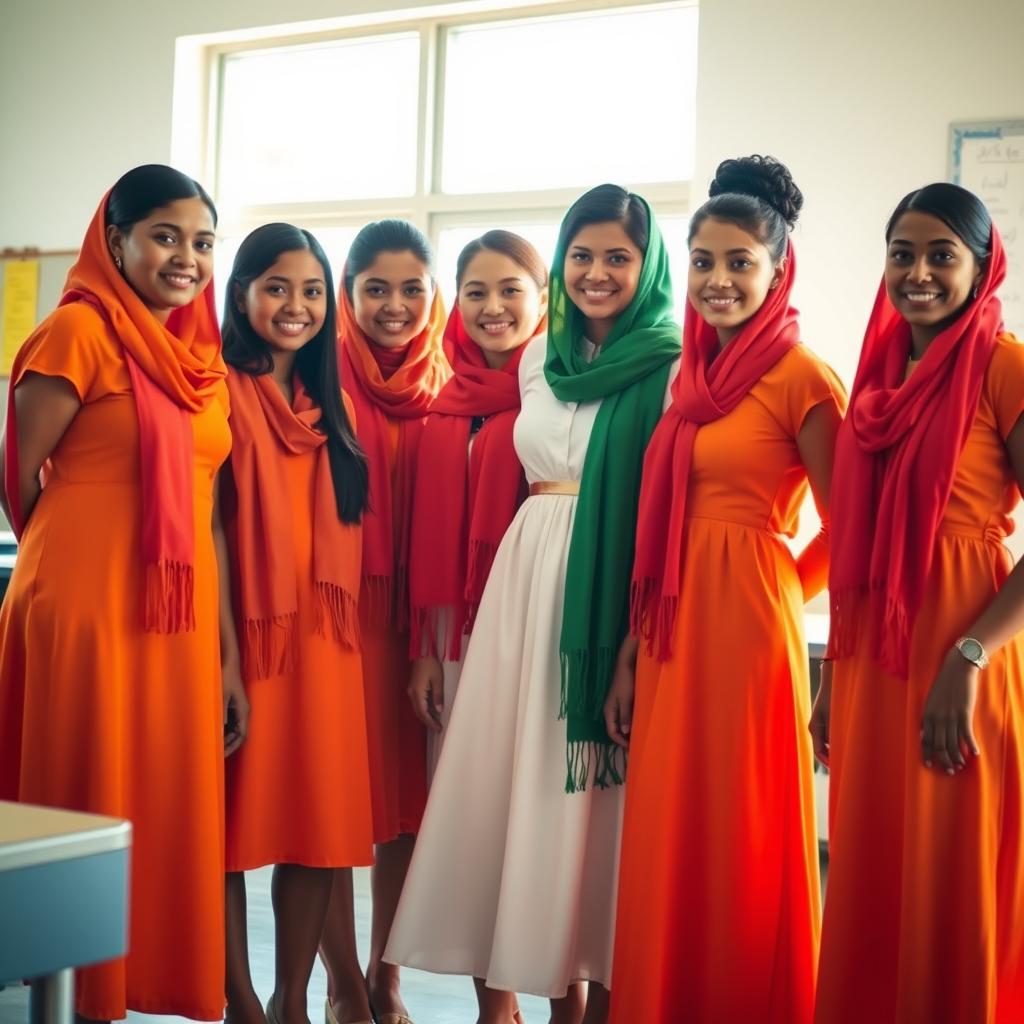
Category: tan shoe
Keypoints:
(393, 1018)
(330, 1017)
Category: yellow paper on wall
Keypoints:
(20, 304)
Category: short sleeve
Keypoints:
(800, 382)
(1004, 383)
(75, 343)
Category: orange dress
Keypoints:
(97, 715)
(298, 790)
(396, 737)
(924, 919)
(719, 905)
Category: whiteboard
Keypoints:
(987, 157)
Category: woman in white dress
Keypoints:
(514, 876)
(469, 482)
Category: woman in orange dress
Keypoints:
(111, 694)
(391, 320)
(293, 500)
(921, 713)
(719, 901)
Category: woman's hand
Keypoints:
(426, 691)
(236, 709)
(618, 707)
(821, 712)
(947, 725)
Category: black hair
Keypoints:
(142, 190)
(316, 362)
(961, 211)
(386, 236)
(602, 205)
(515, 247)
(757, 194)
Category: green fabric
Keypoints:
(629, 375)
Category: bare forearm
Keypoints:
(1003, 619)
(228, 634)
(812, 565)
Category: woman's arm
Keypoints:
(236, 704)
(947, 725)
(44, 407)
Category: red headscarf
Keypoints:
(176, 370)
(265, 431)
(405, 395)
(463, 503)
(896, 457)
(711, 383)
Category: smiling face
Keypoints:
(929, 273)
(729, 277)
(500, 304)
(602, 270)
(392, 298)
(167, 257)
(287, 304)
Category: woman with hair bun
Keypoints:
(920, 715)
(719, 904)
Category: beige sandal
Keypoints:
(329, 1016)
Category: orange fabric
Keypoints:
(719, 905)
(266, 434)
(926, 879)
(98, 715)
(174, 371)
(298, 791)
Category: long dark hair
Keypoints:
(140, 191)
(316, 362)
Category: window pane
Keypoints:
(274, 147)
(544, 235)
(603, 97)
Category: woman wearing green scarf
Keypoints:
(514, 876)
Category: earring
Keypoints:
(974, 292)
(117, 262)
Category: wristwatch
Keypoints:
(972, 650)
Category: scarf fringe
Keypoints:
(425, 628)
(894, 640)
(376, 599)
(169, 605)
(268, 646)
(606, 760)
(845, 620)
(337, 605)
(889, 633)
(481, 558)
(576, 666)
(652, 616)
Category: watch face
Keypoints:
(971, 650)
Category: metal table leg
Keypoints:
(52, 999)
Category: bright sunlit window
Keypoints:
(459, 124)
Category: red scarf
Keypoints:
(404, 394)
(265, 432)
(711, 383)
(176, 370)
(896, 456)
(463, 502)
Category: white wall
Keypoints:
(855, 97)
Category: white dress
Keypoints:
(513, 880)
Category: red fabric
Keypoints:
(176, 369)
(388, 360)
(404, 395)
(265, 431)
(896, 456)
(711, 383)
(463, 501)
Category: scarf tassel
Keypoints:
(481, 558)
(607, 761)
(376, 599)
(652, 616)
(337, 606)
(425, 626)
(268, 646)
(585, 682)
(169, 598)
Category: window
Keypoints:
(458, 123)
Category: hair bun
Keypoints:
(764, 178)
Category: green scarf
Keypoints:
(629, 375)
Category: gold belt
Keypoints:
(555, 487)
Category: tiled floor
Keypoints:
(432, 999)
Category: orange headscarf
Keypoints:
(406, 396)
(265, 431)
(176, 370)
